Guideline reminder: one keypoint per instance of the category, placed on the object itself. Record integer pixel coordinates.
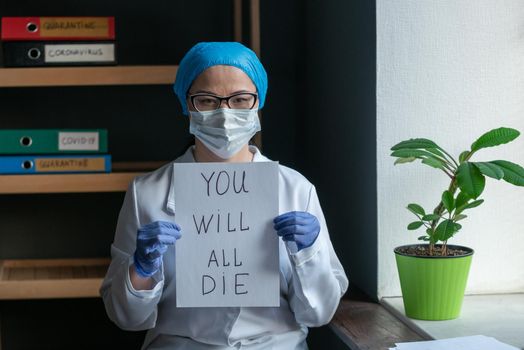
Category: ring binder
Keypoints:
(49, 141)
(28, 53)
(57, 28)
(32, 164)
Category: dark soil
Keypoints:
(424, 251)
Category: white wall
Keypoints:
(450, 70)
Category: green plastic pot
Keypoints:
(433, 287)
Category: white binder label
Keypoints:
(80, 53)
(78, 141)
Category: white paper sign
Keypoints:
(228, 253)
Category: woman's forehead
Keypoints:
(222, 78)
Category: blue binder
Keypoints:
(57, 164)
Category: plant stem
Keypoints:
(439, 210)
(448, 174)
(450, 167)
(450, 157)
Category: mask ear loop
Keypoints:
(191, 140)
(257, 138)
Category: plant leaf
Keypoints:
(462, 156)
(474, 204)
(434, 163)
(448, 201)
(490, 169)
(428, 158)
(446, 229)
(415, 225)
(469, 206)
(406, 153)
(436, 152)
(415, 144)
(459, 217)
(495, 137)
(513, 173)
(470, 179)
(405, 160)
(462, 199)
(430, 217)
(423, 238)
(416, 209)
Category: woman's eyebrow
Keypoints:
(203, 92)
(212, 93)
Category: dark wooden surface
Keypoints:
(366, 325)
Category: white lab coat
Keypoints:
(312, 280)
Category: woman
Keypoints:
(221, 86)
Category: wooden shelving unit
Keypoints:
(51, 278)
(77, 278)
(87, 76)
(70, 278)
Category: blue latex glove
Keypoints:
(152, 242)
(298, 226)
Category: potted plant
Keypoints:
(433, 275)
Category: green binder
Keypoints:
(40, 141)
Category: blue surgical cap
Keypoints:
(207, 54)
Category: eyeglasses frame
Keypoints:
(222, 98)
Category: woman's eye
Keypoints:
(207, 101)
(239, 100)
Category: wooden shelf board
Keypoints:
(51, 278)
(138, 166)
(87, 76)
(117, 181)
(66, 183)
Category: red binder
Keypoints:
(58, 28)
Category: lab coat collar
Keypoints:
(188, 157)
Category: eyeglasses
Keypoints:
(207, 102)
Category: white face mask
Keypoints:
(224, 131)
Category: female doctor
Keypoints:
(221, 85)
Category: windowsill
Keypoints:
(499, 315)
(361, 323)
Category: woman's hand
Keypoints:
(152, 242)
(297, 226)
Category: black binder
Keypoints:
(70, 53)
